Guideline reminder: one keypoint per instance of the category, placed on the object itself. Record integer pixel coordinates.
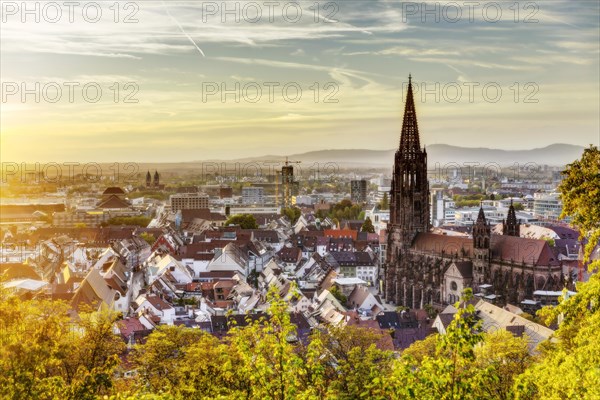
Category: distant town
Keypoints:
(196, 249)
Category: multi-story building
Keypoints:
(547, 206)
(253, 195)
(188, 201)
(358, 190)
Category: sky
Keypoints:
(168, 81)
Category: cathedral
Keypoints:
(155, 183)
(422, 267)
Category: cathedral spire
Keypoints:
(511, 226)
(481, 216)
(481, 231)
(409, 139)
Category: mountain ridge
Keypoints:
(555, 154)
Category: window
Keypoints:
(453, 286)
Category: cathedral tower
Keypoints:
(409, 200)
(511, 226)
(481, 248)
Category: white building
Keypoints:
(379, 218)
(154, 305)
(253, 195)
(547, 206)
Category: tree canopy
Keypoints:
(244, 221)
(580, 195)
(367, 226)
(292, 213)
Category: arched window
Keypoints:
(453, 286)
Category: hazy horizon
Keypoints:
(282, 156)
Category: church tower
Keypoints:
(481, 248)
(511, 227)
(148, 179)
(156, 179)
(409, 203)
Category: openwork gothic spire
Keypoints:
(511, 226)
(481, 216)
(409, 140)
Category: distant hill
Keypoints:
(555, 154)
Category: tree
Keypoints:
(567, 368)
(580, 194)
(385, 202)
(518, 206)
(186, 363)
(148, 237)
(335, 291)
(345, 209)
(263, 354)
(244, 221)
(292, 213)
(367, 226)
(47, 355)
(575, 352)
(421, 349)
(156, 360)
(449, 373)
(501, 357)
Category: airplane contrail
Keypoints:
(182, 31)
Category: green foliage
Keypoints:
(568, 365)
(188, 302)
(431, 312)
(468, 200)
(367, 226)
(148, 237)
(345, 209)
(337, 293)
(518, 206)
(139, 220)
(461, 364)
(385, 202)
(580, 194)
(179, 361)
(573, 356)
(292, 213)
(244, 221)
(47, 355)
(44, 354)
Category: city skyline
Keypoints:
(358, 54)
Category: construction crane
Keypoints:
(287, 178)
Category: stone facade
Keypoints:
(418, 260)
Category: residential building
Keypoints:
(188, 201)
